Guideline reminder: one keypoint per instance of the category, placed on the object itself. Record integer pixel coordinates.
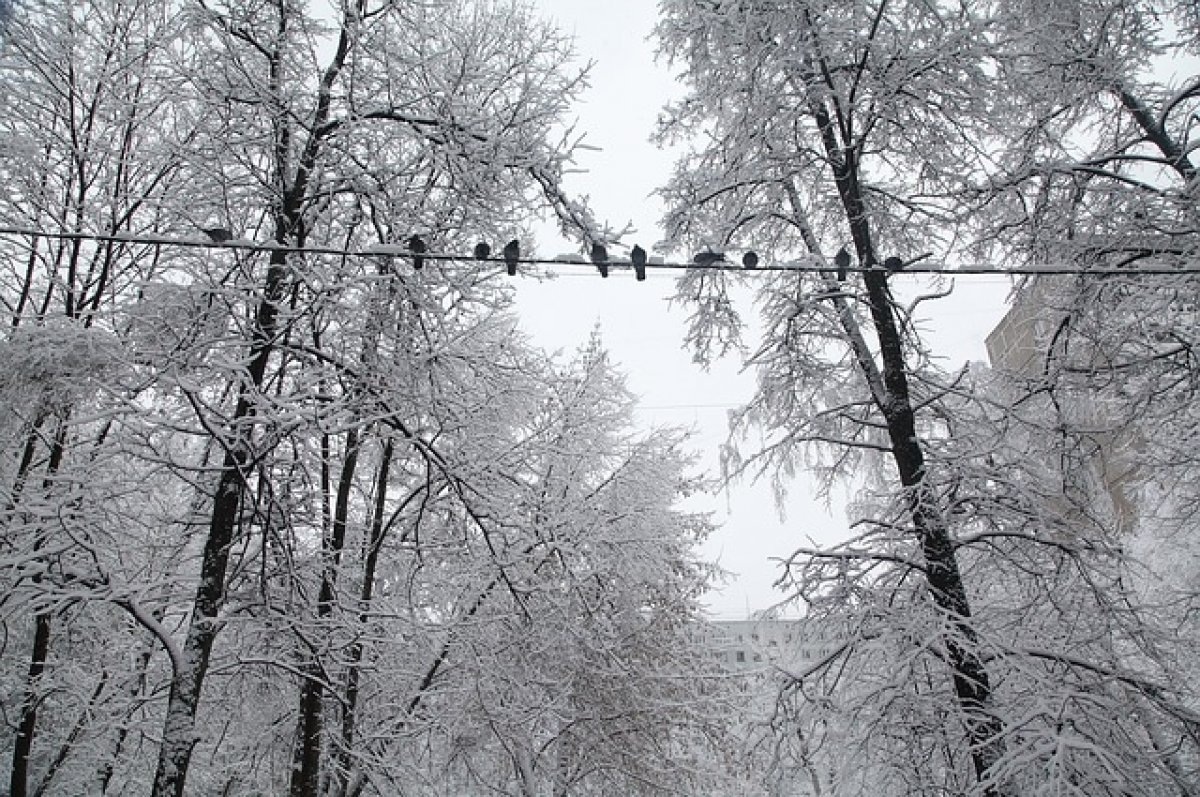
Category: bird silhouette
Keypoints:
(842, 261)
(600, 258)
(482, 250)
(750, 260)
(637, 256)
(708, 258)
(218, 235)
(893, 263)
(512, 253)
(418, 248)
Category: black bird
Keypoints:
(750, 260)
(708, 258)
(217, 235)
(418, 248)
(842, 261)
(893, 263)
(512, 253)
(600, 258)
(637, 256)
(482, 250)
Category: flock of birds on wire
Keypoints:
(417, 251)
(638, 258)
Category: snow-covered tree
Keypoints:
(992, 642)
(276, 515)
(1101, 176)
(82, 155)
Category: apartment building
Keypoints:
(1027, 346)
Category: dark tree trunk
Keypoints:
(972, 685)
(306, 764)
(374, 542)
(27, 725)
(306, 767)
(179, 726)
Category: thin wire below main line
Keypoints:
(401, 251)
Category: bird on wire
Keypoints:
(637, 256)
(842, 261)
(217, 235)
(600, 258)
(708, 258)
(512, 254)
(750, 260)
(893, 264)
(482, 251)
(418, 248)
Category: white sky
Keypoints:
(644, 334)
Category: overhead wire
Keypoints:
(706, 261)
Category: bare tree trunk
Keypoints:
(370, 561)
(292, 176)
(27, 724)
(306, 763)
(179, 725)
(972, 685)
(306, 768)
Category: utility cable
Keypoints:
(704, 261)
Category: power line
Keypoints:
(705, 261)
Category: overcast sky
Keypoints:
(644, 333)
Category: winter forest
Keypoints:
(292, 506)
